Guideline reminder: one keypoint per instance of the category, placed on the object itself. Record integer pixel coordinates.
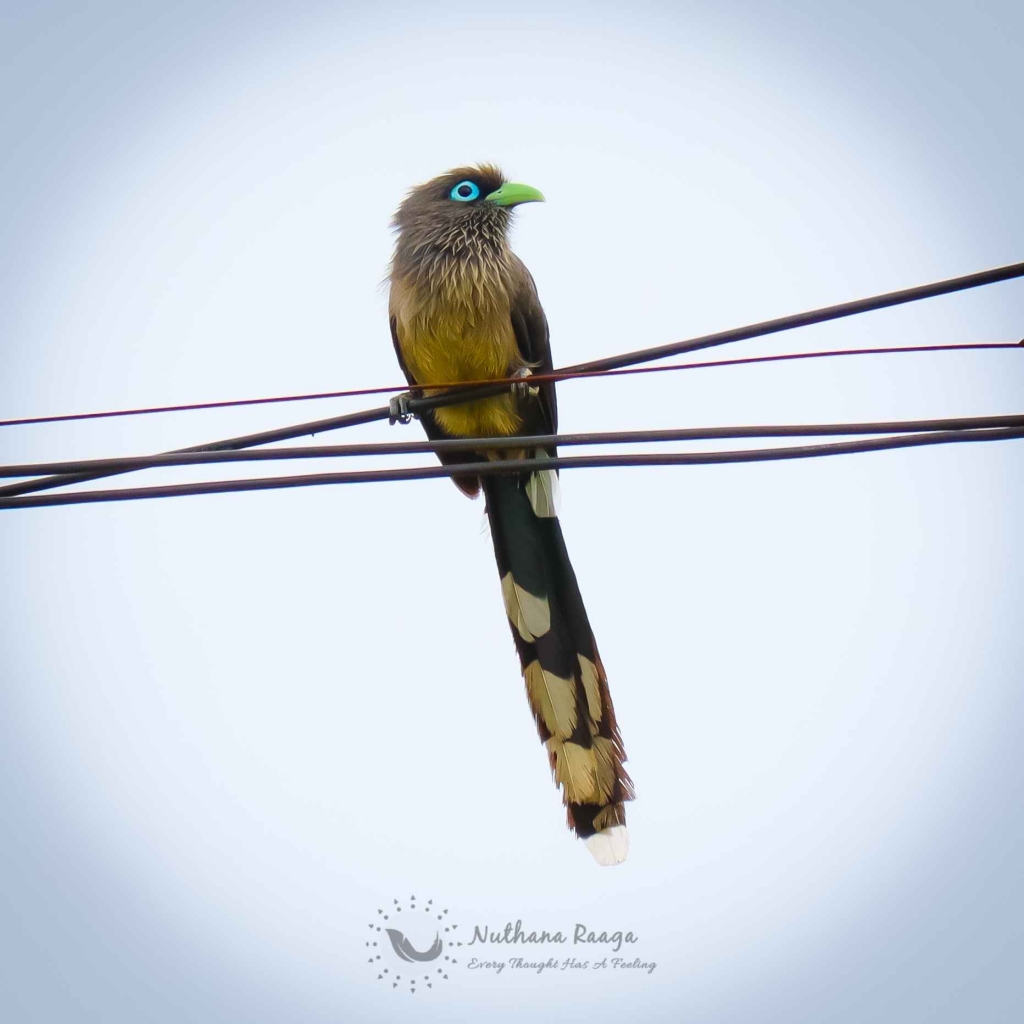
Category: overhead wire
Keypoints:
(505, 466)
(536, 378)
(417, 405)
(528, 442)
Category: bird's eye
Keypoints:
(465, 192)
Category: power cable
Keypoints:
(131, 463)
(516, 466)
(535, 378)
(419, 405)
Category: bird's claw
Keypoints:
(398, 409)
(521, 389)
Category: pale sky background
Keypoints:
(234, 726)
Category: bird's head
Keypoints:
(465, 205)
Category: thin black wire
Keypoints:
(814, 316)
(131, 463)
(516, 466)
(419, 405)
(711, 364)
(351, 419)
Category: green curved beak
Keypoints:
(512, 194)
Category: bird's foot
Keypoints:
(398, 408)
(521, 389)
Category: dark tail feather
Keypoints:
(565, 680)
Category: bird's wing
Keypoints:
(531, 331)
(398, 351)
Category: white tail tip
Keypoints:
(610, 845)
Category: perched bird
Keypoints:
(464, 307)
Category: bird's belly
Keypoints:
(450, 349)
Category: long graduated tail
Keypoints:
(565, 680)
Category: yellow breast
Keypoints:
(445, 338)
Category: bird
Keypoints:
(462, 307)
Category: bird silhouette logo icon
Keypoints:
(425, 933)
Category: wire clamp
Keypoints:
(398, 409)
